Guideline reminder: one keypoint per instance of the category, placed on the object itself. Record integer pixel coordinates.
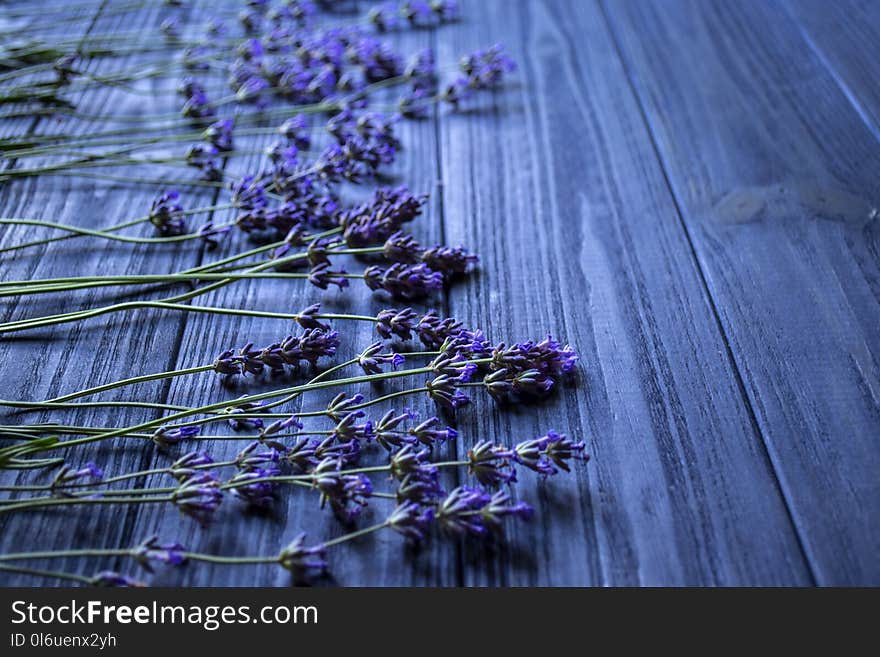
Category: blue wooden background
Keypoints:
(683, 190)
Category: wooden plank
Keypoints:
(377, 560)
(839, 33)
(556, 184)
(774, 173)
(44, 363)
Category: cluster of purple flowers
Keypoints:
(311, 345)
(417, 13)
(198, 496)
(68, 475)
(166, 214)
(256, 465)
(151, 550)
(482, 70)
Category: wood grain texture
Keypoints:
(775, 175)
(692, 218)
(838, 34)
(557, 185)
(49, 362)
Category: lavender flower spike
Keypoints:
(152, 550)
(198, 496)
(166, 436)
(301, 560)
(412, 520)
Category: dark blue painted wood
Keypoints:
(692, 218)
(775, 176)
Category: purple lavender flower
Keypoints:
(202, 157)
(346, 494)
(409, 460)
(227, 363)
(340, 405)
(306, 318)
(284, 157)
(188, 464)
(507, 386)
(372, 358)
(397, 322)
(450, 260)
(378, 60)
(384, 17)
(198, 496)
(344, 453)
(490, 464)
(317, 343)
(422, 70)
(402, 247)
(282, 425)
(250, 459)
(322, 276)
(412, 520)
(376, 220)
(404, 281)
(386, 430)
(417, 12)
(560, 449)
(547, 356)
(219, 134)
(442, 389)
(486, 68)
(296, 130)
(209, 234)
(421, 486)
(248, 194)
(433, 331)
(544, 453)
(248, 487)
(501, 506)
(446, 10)
(152, 550)
(347, 428)
(426, 434)
(302, 455)
(301, 560)
(530, 453)
(166, 214)
(415, 104)
(68, 475)
(458, 512)
(197, 105)
(167, 435)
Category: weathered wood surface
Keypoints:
(693, 218)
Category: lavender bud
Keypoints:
(166, 214)
(427, 435)
(198, 496)
(165, 436)
(371, 359)
(188, 464)
(301, 560)
(443, 391)
(398, 322)
(341, 404)
(490, 464)
(247, 486)
(404, 281)
(151, 550)
(412, 520)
